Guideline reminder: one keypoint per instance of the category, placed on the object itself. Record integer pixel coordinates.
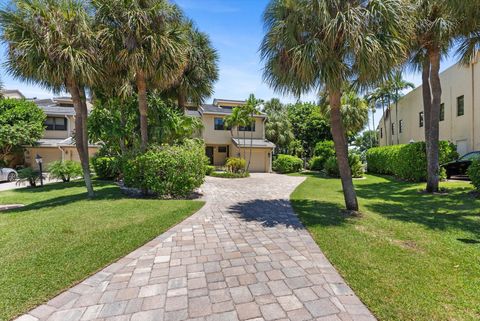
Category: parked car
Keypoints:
(8, 174)
(459, 167)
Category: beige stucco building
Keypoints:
(57, 142)
(221, 142)
(459, 116)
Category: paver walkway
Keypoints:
(243, 256)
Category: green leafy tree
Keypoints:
(323, 44)
(309, 126)
(21, 123)
(278, 129)
(366, 140)
(147, 40)
(52, 43)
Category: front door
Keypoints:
(209, 153)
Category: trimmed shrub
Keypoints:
(408, 162)
(65, 170)
(354, 161)
(287, 164)
(474, 173)
(29, 175)
(323, 151)
(107, 168)
(168, 171)
(209, 169)
(235, 165)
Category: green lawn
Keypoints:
(411, 256)
(60, 237)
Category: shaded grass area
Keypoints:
(60, 237)
(411, 256)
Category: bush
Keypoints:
(235, 165)
(29, 175)
(354, 161)
(230, 174)
(287, 164)
(65, 170)
(323, 151)
(209, 169)
(474, 173)
(408, 162)
(168, 171)
(107, 168)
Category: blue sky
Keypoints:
(236, 30)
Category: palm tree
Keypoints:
(278, 128)
(146, 38)
(201, 70)
(396, 84)
(249, 110)
(51, 43)
(314, 44)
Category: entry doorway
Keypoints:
(209, 153)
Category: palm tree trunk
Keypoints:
(251, 147)
(143, 109)
(181, 101)
(433, 167)
(81, 132)
(373, 121)
(341, 151)
(384, 121)
(396, 116)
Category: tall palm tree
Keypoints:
(396, 85)
(249, 110)
(201, 70)
(278, 128)
(146, 38)
(51, 43)
(325, 43)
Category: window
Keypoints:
(420, 119)
(470, 156)
(460, 106)
(400, 126)
(219, 124)
(56, 123)
(442, 112)
(222, 149)
(393, 128)
(381, 132)
(249, 128)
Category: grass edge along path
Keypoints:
(60, 237)
(411, 256)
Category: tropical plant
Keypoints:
(354, 162)
(309, 126)
(250, 109)
(438, 24)
(323, 151)
(313, 44)
(148, 40)
(52, 43)
(64, 170)
(278, 129)
(236, 165)
(200, 73)
(29, 175)
(366, 140)
(21, 123)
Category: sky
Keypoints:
(236, 29)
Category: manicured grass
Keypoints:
(60, 237)
(411, 256)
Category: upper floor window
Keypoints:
(460, 105)
(442, 112)
(219, 123)
(393, 128)
(248, 128)
(56, 123)
(420, 119)
(400, 126)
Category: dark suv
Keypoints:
(459, 167)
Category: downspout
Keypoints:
(473, 104)
(63, 153)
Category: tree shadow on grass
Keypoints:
(400, 201)
(106, 193)
(314, 212)
(269, 213)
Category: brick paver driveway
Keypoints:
(243, 256)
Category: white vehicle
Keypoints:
(8, 174)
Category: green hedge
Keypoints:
(474, 174)
(408, 162)
(107, 168)
(323, 151)
(168, 171)
(354, 161)
(287, 164)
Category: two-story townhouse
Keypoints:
(222, 142)
(57, 142)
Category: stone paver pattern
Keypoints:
(243, 256)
